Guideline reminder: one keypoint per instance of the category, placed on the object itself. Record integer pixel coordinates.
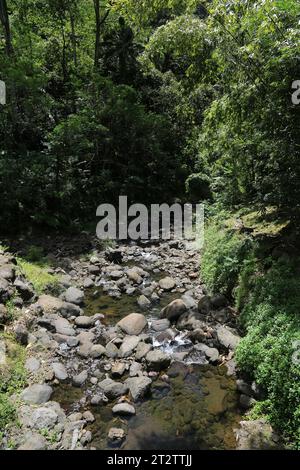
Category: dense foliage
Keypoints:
(162, 99)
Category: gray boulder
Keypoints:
(174, 310)
(138, 386)
(157, 360)
(74, 295)
(36, 394)
(124, 409)
(133, 324)
(113, 389)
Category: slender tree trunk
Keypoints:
(98, 31)
(74, 46)
(4, 18)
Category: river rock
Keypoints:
(50, 304)
(135, 369)
(34, 442)
(74, 296)
(97, 350)
(212, 354)
(138, 386)
(111, 350)
(227, 338)
(113, 389)
(157, 360)
(174, 310)
(124, 409)
(160, 325)
(43, 418)
(189, 301)
(60, 371)
(142, 349)
(246, 402)
(7, 272)
(88, 283)
(118, 369)
(80, 379)
(134, 276)
(243, 387)
(133, 324)
(63, 327)
(218, 301)
(5, 291)
(204, 305)
(36, 394)
(167, 283)
(32, 364)
(116, 435)
(143, 302)
(129, 345)
(84, 321)
(256, 435)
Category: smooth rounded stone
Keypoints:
(138, 386)
(85, 349)
(116, 274)
(227, 338)
(204, 305)
(97, 350)
(246, 402)
(63, 327)
(174, 310)
(32, 364)
(86, 438)
(94, 259)
(116, 435)
(68, 310)
(88, 283)
(5, 290)
(84, 322)
(142, 349)
(43, 418)
(80, 379)
(36, 394)
(65, 280)
(74, 296)
(113, 389)
(189, 301)
(157, 360)
(129, 345)
(34, 442)
(143, 302)
(256, 435)
(111, 350)
(167, 283)
(164, 336)
(88, 416)
(160, 325)
(95, 270)
(98, 399)
(134, 276)
(118, 369)
(7, 272)
(73, 417)
(49, 304)
(60, 371)
(85, 336)
(133, 324)
(24, 289)
(72, 342)
(130, 290)
(135, 369)
(124, 409)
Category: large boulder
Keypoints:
(113, 389)
(60, 371)
(63, 327)
(50, 304)
(123, 409)
(74, 296)
(167, 283)
(133, 324)
(143, 302)
(36, 394)
(227, 338)
(129, 345)
(160, 325)
(138, 386)
(256, 435)
(174, 310)
(24, 289)
(157, 360)
(134, 275)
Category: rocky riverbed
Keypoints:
(129, 352)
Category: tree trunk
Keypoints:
(98, 25)
(4, 18)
